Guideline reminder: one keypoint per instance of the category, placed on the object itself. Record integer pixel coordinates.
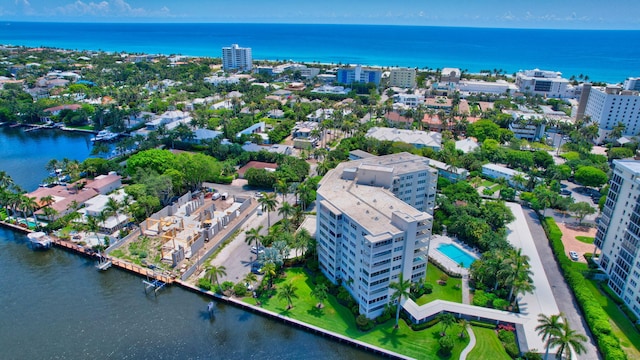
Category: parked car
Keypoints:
(257, 249)
(573, 255)
(256, 268)
(565, 192)
(215, 196)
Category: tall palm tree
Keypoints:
(282, 187)
(566, 339)
(402, 288)
(28, 205)
(268, 202)
(215, 272)
(288, 292)
(269, 269)
(285, 210)
(320, 293)
(446, 320)
(301, 240)
(253, 237)
(549, 326)
(517, 270)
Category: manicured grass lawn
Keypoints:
(621, 325)
(441, 292)
(488, 346)
(83, 127)
(335, 317)
(487, 183)
(585, 239)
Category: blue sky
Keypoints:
(556, 14)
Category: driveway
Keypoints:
(564, 297)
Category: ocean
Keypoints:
(602, 55)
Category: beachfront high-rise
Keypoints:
(618, 236)
(374, 219)
(544, 82)
(610, 105)
(358, 74)
(236, 58)
(402, 77)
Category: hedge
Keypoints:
(594, 314)
(482, 324)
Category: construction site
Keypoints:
(179, 238)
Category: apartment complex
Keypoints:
(543, 82)
(358, 74)
(236, 58)
(403, 77)
(374, 223)
(618, 236)
(611, 105)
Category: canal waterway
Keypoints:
(56, 305)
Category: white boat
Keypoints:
(39, 240)
(104, 135)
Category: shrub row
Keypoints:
(596, 317)
(508, 339)
(482, 324)
(444, 268)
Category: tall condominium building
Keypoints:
(374, 223)
(618, 235)
(236, 58)
(545, 83)
(611, 105)
(358, 74)
(403, 77)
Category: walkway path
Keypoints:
(465, 289)
(470, 346)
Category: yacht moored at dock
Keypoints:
(104, 135)
(39, 240)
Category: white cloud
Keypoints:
(104, 8)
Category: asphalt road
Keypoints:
(564, 297)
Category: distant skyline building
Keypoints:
(610, 105)
(618, 235)
(545, 83)
(374, 219)
(403, 77)
(235, 57)
(358, 74)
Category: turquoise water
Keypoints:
(603, 55)
(456, 254)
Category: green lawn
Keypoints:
(441, 292)
(622, 326)
(336, 318)
(488, 346)
(487, 183)
(585, 239)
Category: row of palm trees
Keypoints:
(557, 332)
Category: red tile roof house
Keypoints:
(52, 111)
(64, 196)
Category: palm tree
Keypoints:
(301, 240)
(253, 237)
(286, 210)
(269, 269)
(288, 292)
(215, 272)
(463, 325)
(566, 339)
(446, 320)
(549, 326)
(320, 293)
(28, 205)
(268, 202)
(517, 270)
(250, 278)
(402, 288)
(282, 187)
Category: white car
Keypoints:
(573, 255)
(257, 250)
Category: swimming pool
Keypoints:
(456, 254)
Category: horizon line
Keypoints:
(157, 22)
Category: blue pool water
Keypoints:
(456, 254)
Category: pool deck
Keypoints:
(541, 301)
(444, 260)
